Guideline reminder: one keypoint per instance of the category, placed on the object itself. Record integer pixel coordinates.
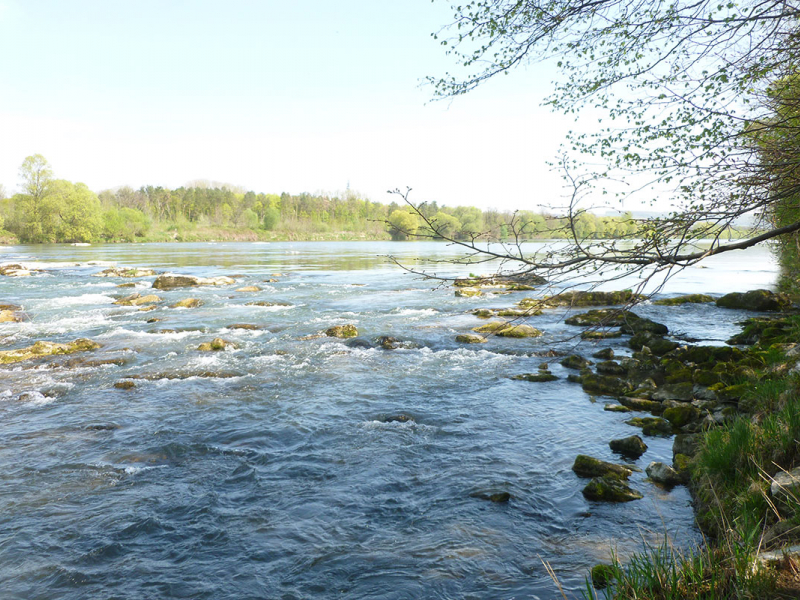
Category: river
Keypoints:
(307, 468)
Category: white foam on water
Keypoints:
(35, 398)
(414, 311)
(123, 332)
(135, 470)
(6, 394)
(81, 300)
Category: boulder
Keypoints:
(602, 384)
(14, 270)
(642, 404)
(575, 361)
(682, 392)
(756, 300)
(358, 342)
(40, 349)
(602, 317)
(138, 300)
(652, 426)
(609, 367)
(188, 303)
(616, 408)
(663, 474)
(542, 376)
(168, 281)
(506, 329)
(594, 334)
(125, 272)
(687, 299)
(609, 489)
(604, 354)
(579, 298)
(586, 466)
(640, 324)
(342, 331)
(11, 313)
(124, 385)
(681, 415)
(657, 344)
(249, 288)
(632, 446)
(216, 345)
(470, 338)
(786, 485)
(686, 443)
(468, 292)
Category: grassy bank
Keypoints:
(747, 520)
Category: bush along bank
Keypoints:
(735, 411)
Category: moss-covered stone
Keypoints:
(484, 313)
(188, 303)
(610, 367)
(602, 384)
(632, 446)
(687, 299)
(469, 338)
(575, 361)
(468, 292)
(138, 300)
(587, 466)
(616, 408)
(609, 489)
(657, 344)
(681, 415)
(652, 426)
(602, 317)
(663, 474)
(642, 404)
(342, 331)
(704, 377)
(216, 345)
(124, 385)
(604, 354)
(249, 288)
(579, 298)
(541, 376)
(732, 393)
(594, 334)
(518, 331)
(682, 392)
(756, 300)
(40, 349)
(641, 324)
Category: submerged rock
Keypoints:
(493, 496)
(266, 303)
(687, 299)
(124, 385)
(188, 303)
(632, 446)
(172, 280)
(610, 489)
(125, 272)
(342, 331)
(358, 342)
(40, 349)
(575, 361)
(247, 326)
(586, 466)
(543, 375)
(756, 300)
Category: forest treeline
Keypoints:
(56, 210)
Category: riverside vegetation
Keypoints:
(56, 210)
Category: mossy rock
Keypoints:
(604, 354)
(602, 317)
(641, 324)
(468, 292)
(124, 385)
(610, 367)
(484, 313)
(216, 345)
(188, 303)
(469, 338)
(652, 426)
(756, 300)
(587, 466)
(491, 327)
(733, 393)
(517, 312)
(687, 444)
(129, 284)
(266, 303)
(579, 298)
(632, 446)
(575, 361)
(249, 288)
(40, 349)
(616, 408)
(542, 376)
(683, 375)
(682, 392)
(602, 384)
(602, 576)
(498, 497)
(593, 334)
(246, 326)
(681, 415)
(663, 474)
(762, 330)
(641, 404)
(342, 331)
(518, 331)
(705, 377)
(138, 300)
(657, 344)
(609, 489)
(687, 299)
(682, 465)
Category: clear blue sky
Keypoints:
(271, 95)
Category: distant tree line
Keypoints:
(55, 210)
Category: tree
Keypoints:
(403, 224)
(685, 86)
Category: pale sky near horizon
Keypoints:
(274, 96)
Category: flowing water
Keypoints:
(309, 468)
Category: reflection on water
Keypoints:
(308, 468)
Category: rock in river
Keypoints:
(342, 331)
(215, 345)
(40, 349)
(610, 489)
(632, 446)
(172, 280)
(188, 303)
(757, 300)
(470, 338)
(586, 466)
(663, 474)
(138, 300)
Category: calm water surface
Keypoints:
(276, 470)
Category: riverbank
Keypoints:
(742, 473)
